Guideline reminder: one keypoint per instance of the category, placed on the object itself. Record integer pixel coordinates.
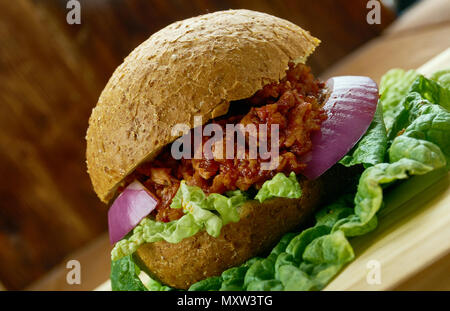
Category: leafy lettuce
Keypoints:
(371, 148)
(394, 86)
(416, 142)
(280, 186)
(442, 77)
(202, 212)
(397, 83)
(125, 277)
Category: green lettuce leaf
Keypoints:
(422, 120)
(394, 85)
(371, 148)
(397, 83)
(442, 77)
(369, 197)
(422, 146)
(313, 258)
(209, 212)
(212, 283)
(280, 186)
(153, 231)
(432, 91)
(155, 286)
(202, 212)
(124, 275)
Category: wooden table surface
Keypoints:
(404, 46)
(417, 36)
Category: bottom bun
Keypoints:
(260, 227)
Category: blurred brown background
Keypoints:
(51, 75)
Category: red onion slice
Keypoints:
(129, 208)
(350, 107)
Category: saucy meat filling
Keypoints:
(294, 104)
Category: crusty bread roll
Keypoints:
(191, 67)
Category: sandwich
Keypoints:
(228, 166)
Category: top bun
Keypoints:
(193, 67)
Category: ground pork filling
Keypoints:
(294, 104)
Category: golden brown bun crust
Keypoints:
(261, 226)
(191, 67)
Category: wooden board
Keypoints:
(407, 50)
(412, 239)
